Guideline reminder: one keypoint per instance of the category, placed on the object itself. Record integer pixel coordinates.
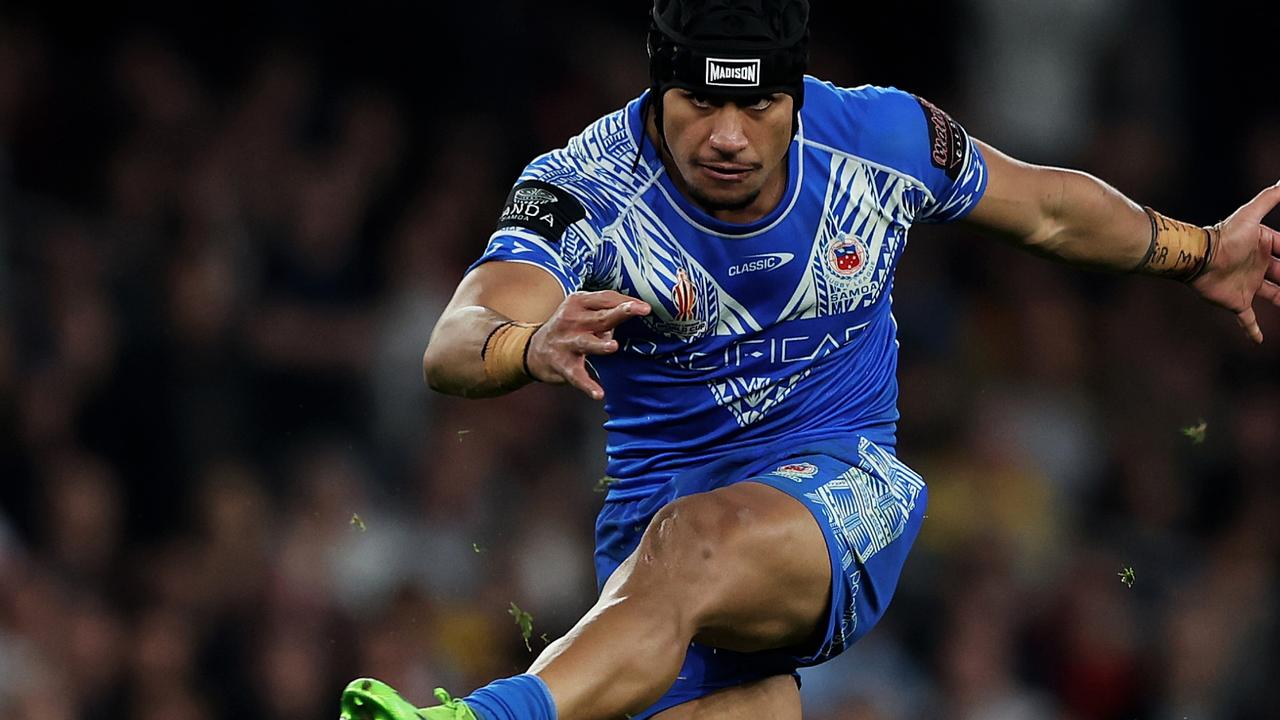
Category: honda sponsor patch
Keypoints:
(540, 207)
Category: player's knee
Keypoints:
(697, 537)
(741, 566)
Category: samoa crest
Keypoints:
(847, 256)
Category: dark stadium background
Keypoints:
(227, 228)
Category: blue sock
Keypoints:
(523, 697)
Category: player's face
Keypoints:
(729, 156)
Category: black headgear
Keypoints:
(734, 48)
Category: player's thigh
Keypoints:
(775, 698)
(748, 562)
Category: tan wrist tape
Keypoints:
(506, 353)
(1179, 251)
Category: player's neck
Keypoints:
(764, 203)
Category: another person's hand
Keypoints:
(582, 325)
(1245, 263)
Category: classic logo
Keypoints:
(797, 471)
(761, 263)
(847, 255)
(725, 72)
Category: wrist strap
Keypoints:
(506, 353)
(1178, 250)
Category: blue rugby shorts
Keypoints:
(869, 505)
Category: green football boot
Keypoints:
(369, 699)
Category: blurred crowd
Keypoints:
(225, 234)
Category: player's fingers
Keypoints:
(1270, 292)
(1257, 208)
(581, 379)
(1271, 238)
(602, 299)
(1249, 323)
(601, 321)
(613, 317)
(589, 344)
(1273, 269)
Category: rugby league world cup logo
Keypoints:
(685, 297)
(684, 317)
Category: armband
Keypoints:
(1179, 251)
(506, 353)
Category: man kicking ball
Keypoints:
(715, 262)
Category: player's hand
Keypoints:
(1245, 263)
(582, 325)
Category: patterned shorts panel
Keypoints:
(869, 512)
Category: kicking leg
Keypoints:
(743, 568)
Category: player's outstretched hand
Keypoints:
(582, 325)
(1246, 262)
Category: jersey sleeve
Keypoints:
(906, 135)
(956, 173)
(545, 223)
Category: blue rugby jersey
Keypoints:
(778, 329)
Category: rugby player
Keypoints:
(715, 262)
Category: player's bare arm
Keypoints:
(509, 324)
(1074, 217)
